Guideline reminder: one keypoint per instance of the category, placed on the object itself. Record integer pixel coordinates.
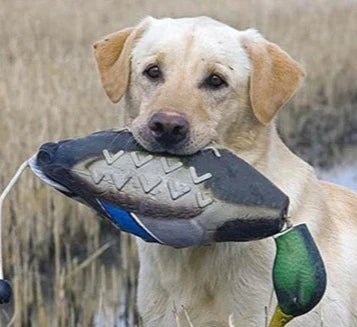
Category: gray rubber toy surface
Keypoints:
(211, 196)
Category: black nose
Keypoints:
(169, 128)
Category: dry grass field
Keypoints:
(67, 267)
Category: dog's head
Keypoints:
(187, 82)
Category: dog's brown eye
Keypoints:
(214, 82)
(153, 72)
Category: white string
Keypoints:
(7, 189)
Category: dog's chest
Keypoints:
(208, 284)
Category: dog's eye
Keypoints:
(215, 82)
(153, 72)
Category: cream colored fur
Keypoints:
(232, 279)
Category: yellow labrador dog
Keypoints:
(184, 83)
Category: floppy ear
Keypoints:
(274, 77)
(113, 55)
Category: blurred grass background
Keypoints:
(67, 267)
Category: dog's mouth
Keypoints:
(187, 146)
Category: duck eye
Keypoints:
(215, 82)
(153, 72)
